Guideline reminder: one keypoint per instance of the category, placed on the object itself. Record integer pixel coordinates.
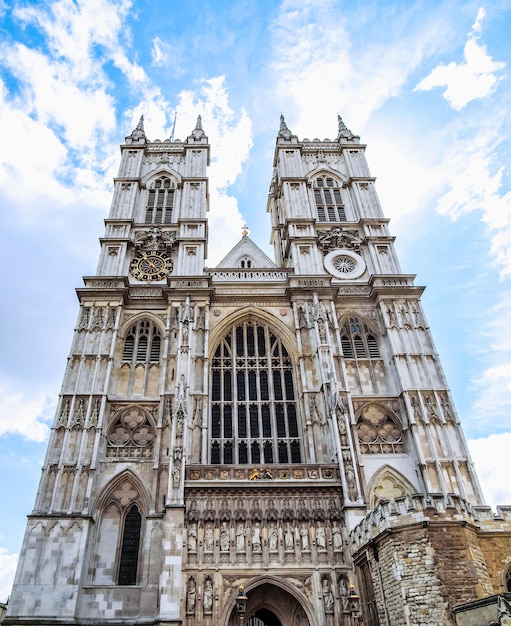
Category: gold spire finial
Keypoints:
(244, 230)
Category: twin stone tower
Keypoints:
(270, 443)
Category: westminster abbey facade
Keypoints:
(265, 442)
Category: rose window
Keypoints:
(344, 264)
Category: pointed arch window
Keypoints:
(142, 343)
(246, 262)
(357, 341)
(253, 408)
(327, 195)
(130, 547)
(160, 201)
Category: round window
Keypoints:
(344, 264)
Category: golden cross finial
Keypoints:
(244, 230)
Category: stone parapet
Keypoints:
(418, 509)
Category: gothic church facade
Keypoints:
(264, 442)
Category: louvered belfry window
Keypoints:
(253, 408)
(160, 202)
(142, 344)
(357, 341)
(329, 205)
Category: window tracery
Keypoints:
(379, 432)
(329, 204)
(131, 435)
(253, 409)
(160, 201)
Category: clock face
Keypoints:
(150, 265)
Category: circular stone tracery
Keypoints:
(131, 435)
(344, 264)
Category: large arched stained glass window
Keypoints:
(253, 407)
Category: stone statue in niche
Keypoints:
(207, 601)
(341, 422)
(304, 537)
(336, 536)
(209, 538)
(191, 596)
(350, 479)
(321, 537)
(273, 536)
(289, 537)
(240, 537)
(179, 424)
(302, 319)
(256, 537)
(224, 537)
(192, 538)
(328, 596)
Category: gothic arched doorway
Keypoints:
(270, 604)
(264, 617)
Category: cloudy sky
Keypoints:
(425, 84)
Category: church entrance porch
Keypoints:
(270, 605)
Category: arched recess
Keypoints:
(274, 594)
(116, 554)
(379, 430)
(254, 394)
(388, 484)
(131, 433)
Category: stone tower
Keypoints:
(264, 442)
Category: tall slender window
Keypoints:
(160, 202)
(130, 547)
(142, 344)
(329, 205)
(253, 408)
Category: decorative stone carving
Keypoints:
(328, 596)
(207, 600)
(191, 596)
(131, 434)
(339, 237)
(155, 238)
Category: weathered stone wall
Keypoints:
(428, 555)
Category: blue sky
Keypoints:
(425, 84)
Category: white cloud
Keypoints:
(321, 69)
(468, 81)
(160, 52)
(491, 458)
(23, 416)
(8, 564)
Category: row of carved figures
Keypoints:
(243, 536)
